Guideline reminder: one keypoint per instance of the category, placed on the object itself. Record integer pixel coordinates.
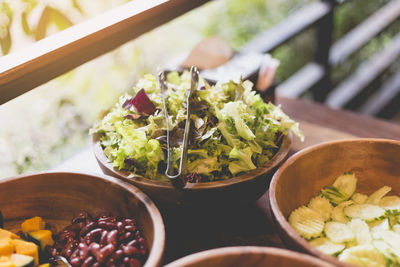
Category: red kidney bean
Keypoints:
(74, 254)
(83, 250)
(107, 225)
(105, 241)
(75, 261)
(88, 262)
(130, 228)
(134, 243)
(94, 248)
(134, 263)
(65, 235)
(53, 252)
(81, 217)
(69, 248)
(103, 238)
(78, 226)
(126, 236)
(112, 237)
(118, 254)
(129, 221)
(137, 235)
(120, 227)
(104, 253)
(131, 251)
(94, 235)
(88, 227)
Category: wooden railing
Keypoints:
(26, 69)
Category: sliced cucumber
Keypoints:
(347, 183)
(391, 203)
(379, 225)
(306, 222)
(375, 197)
(337, 213)
(338, 232)
(396, 228)
(390, 237)
(367, 212)
(20, 260)
(393, 217)
(363, 255)
(321, 205)
(360, 230)
(326, 246)
(359, 198)
(335, 195)
(387, 251)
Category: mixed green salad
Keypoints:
(232, 129)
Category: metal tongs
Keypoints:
(179, 179)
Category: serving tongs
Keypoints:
(178, 180)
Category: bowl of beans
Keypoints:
(94, 220)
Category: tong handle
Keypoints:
(178, 180)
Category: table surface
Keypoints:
(193, 230)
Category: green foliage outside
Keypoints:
(43, 127)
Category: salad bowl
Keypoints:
(374, 162)
(244, 188)
(248, 256)
(58, 197)
(234, 140)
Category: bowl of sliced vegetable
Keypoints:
(340, 202)
(73, 219)
(235, 140)
(248, 256)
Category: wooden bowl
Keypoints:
(375, 162)
(58, 197)
(244, 188)
(248, 256)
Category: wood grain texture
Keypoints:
(244, 188)
(44, 60)
(58, 197)
(340, 120)
(375, 162)
(248, 256)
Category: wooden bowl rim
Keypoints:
(157, 249)
(278, 158)
(280, 218)
(237, 250)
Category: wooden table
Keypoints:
(197, 229)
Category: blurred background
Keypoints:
(44, 126)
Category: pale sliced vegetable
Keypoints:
(390, 237)
(388, 252)
(375, 197)
(306, 222)
(359, 198)
(327, 246)
(335, 195)
(337, 213)
(391, 203)
(364, 255)
(321, 205)
(367, 212)
(360, 230)
(396, 228)
(338, 232)
(380, 225)
(346, 183)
